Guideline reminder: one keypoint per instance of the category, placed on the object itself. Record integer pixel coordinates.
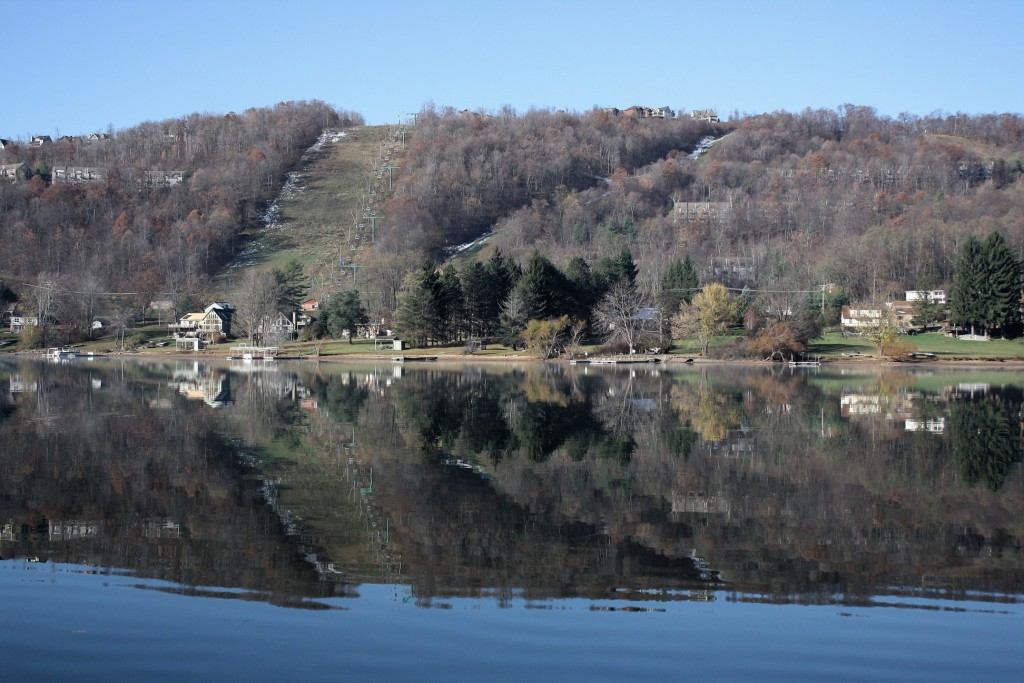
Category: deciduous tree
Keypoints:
(712, 312)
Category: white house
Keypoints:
(934, 295)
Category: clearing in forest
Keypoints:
(321, 216)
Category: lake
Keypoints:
(182, 519)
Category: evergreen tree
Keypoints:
(678, 285)
(418, 311)
(1002, 285)
(542, 289)
(345, 313)
(292, 283)
(612, 270)
(968, 302)
(986, 286)
(503, 274)
(478, 301)
(449, 305)
(581, 288)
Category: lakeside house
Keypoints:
(212, 324)
(858, 318)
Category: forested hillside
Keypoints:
(780, 205)
(872, 204)
(153, 208)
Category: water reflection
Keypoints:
(537, 481)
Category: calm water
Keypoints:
(265, 522)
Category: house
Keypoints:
(156, 178)
(4, 144)
(637, 111)
(661, 112)
(310, 305)
(859, 317)
(40, 140)
(902, 314)
(213, 324)
(77, 174)
(692, 211)
(281, 326)
(706, 115)
(937, 296)
(15, 172)
(95, 137)
(19, 322)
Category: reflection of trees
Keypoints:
(537, 412)
(711, 411)
(986, 438)
(102, 465)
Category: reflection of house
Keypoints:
(198, 384)
(72, 529)
(699, 503)
(894, 407)
(934, 426)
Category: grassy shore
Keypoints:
(832, 347)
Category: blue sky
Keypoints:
(75, 66)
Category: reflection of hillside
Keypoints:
(96, 477)
(786, 505)
(537, 480)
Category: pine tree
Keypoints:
(678, 285)
(345, 313)
(1002, 285)
(968, 302)
(581, 287)
(450, 310)
(542, 289)
(418, 312)
(480, 313)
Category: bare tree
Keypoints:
(623, 313)
(255, 304)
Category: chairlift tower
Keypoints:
(389, 170)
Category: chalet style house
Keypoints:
(211, 325)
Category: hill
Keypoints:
(781, 203)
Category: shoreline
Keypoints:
(659, 360)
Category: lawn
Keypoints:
(834, 345)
